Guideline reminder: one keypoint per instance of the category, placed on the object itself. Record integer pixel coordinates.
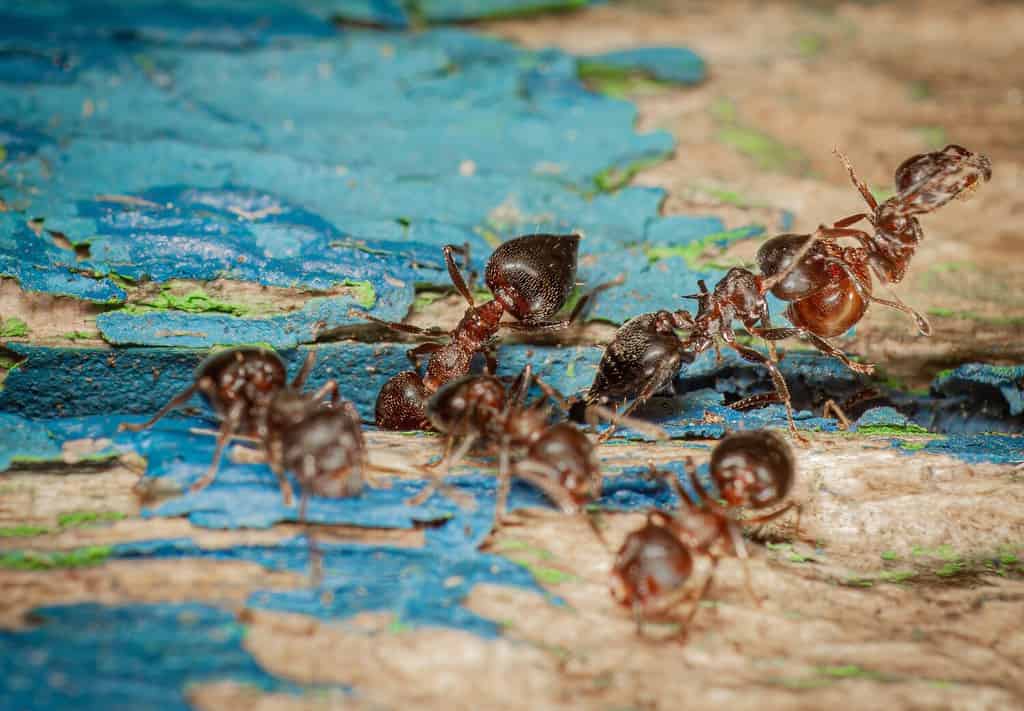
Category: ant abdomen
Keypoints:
(834, 310)
(643, 348)
(810, 276)
(940, 176)
(326, 452)
(753, 468)
(532, 276)
(651, 564)
(401, 403)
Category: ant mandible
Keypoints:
(238, 384)
(530, 277)
(831, 289)
(754, 469)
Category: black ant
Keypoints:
(239, 385)
(831, 289)
(646, 353)
(753, 469)
(476, 411)
(531, 277)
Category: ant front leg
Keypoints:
(232, 421)
(329, 388)
(456, 275)
(175, 402)
(752, 356)
(740, 550)
(832, 408)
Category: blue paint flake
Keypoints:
(678, 65)
(93, 657)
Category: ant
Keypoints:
(239, 384)
(559, 459)
(531, 277)
(831, 289)
(646, 353)
(753, 469)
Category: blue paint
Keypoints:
(369, 152)
(678, 65)
(94, 657)
(885, 416)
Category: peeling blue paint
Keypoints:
(678, 65)
(93, 657)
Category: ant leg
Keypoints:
(490, 359)
(832, 408)
(414, 354)
(753, 402)
(542, 477)
(214, 433)
(851, 220)
(438, 479)
(456, 275)
(777, 334)
(398, 326)
(790, 506)
(273, 448)
(592, 294)
(666, 370)
(704, 590)
(600, 411)
(864, 291)
(504, 485)
(176, 401)
(328, 388)
(861, 186)
(316, 566)
(307, 365)
(519, 389)
(752, 356)
(228, 427)
(740, 549)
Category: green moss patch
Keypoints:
(693, 252)
(13, 327)
(34, 560)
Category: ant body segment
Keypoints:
(754, 469)
(531, 278)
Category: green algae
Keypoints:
(22, 531)
(78, 519)
(691, 252)
(13, 327)
(35, 560)
(892, 430)
(619, 82)
(615, 177)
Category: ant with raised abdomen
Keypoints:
(753, 469)
(831, 289)
(531, 277)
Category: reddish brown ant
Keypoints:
(831, 289)
(238, 384)
(531, 277)
(753, 469)
(476, 411)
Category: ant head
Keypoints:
(532, 276)
(651, 563)
(930, 180)
(753, 468)
(252, 374)
(401, 402)
(469, 400)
